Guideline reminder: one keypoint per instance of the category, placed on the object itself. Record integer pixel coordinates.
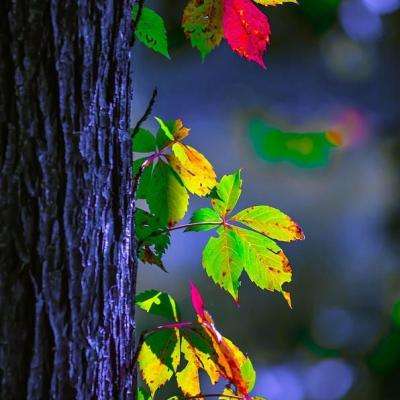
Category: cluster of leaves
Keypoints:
(183, 349)
(244, 241)
(207, 22)
(302, 149)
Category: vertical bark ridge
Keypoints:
(68, 266)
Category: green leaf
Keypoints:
(147, 256)
(166, 196)
(150, 30)
(165, 128)
(223, 260)
(201, 216)
(143, 394)
(149, 231)
(202, 23)
(144, 141)
(248, 374)
(145, 180)
(264, 261)
(229, 189)
(270, 222)
(158, 303)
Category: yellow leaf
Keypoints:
(159, 358)
(188, 379)
(154, 372)
(227, 392)
(274, 2)
(193, 168)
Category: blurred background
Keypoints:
(331, 65)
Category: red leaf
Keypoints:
(246, 29)
(197, 300)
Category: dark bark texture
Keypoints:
(67, 260)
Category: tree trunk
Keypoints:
(67, 258)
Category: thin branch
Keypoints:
(189, 225)
(135, 22)
(174, 228)
(146, 114)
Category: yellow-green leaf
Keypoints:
(166, 196)
(228, 189)
(193, 168)
(248, 374)
(159, 358)
(223, 260)
(227, 394)
(200, 219)
(270, 222)
(264, 261)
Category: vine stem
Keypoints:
(146, 114)
(189, 225)
(175, 228)
(135, 22)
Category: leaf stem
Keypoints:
(175, 228)
(189, 225)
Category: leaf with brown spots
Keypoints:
(223, 260)
(264, 261)
(193, 168)
(233, 365)
(237, 248)
(270, 222)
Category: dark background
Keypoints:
(331, 65)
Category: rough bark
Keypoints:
(67, 261)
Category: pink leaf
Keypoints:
(197, 300)
(246, 29)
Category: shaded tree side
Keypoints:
(67, 261)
